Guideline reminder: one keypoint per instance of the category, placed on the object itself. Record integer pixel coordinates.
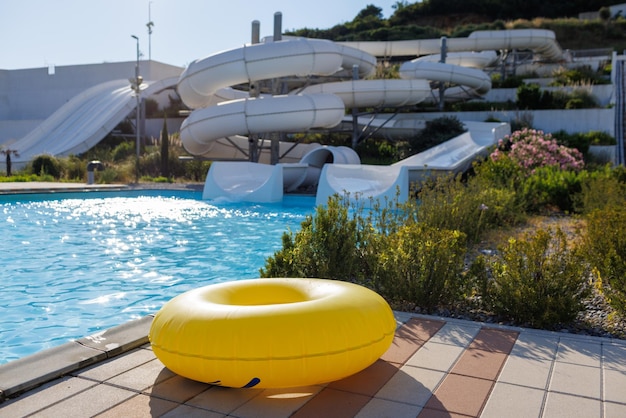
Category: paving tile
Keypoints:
(177, 389)
(492, 339)
(223, 400)
(112, 367)
(614, 356)
(140, 406)
(419, 329)
(276, 403)
(432, 413)
(576, 380)
(382, 408)
(559, 405)
(186, 411)
(332, 403)
(401, 350)
(614, 410)
(143, 376)
(614, 386)
(480, 363)
(535, 345)
(369, 381)
(456, 334)
(89, 403)
(436, 356)
(44, 396)
(460, 394)
(581, 352)
(526, 371)
(32, 371)
(411, 385)
(504, 401)
(402, 317)
(121, 338)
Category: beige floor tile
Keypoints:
(456, 334)
(44, 396)
(186, 411)
(535, 345)
(381, 408)
(89, 403)
(116, 365)
(615, 386)
(614, 356)
(576, 380)
(276, 403)
(559, 405)
(614, 410)
(579, 352)
(526, 371)
(143, 376)
(504, 402)
(140, 406)
(411, 385)
(223, 400)
(436, 356)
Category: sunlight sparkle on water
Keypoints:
(79, 266)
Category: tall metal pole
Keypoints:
(442, 85)
(136, 86)
(150, 24)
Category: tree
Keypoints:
(165, 149)
(8, 152)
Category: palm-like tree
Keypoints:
(7, 153)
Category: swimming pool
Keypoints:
(77, 263)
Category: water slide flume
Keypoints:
(206, 82)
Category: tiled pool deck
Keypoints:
(436, 367)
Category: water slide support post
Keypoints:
(275, 138)
(442, 59)
(355, 126)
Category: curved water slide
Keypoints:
(224, 113)
(368, 183)
(84, 120)
(542, 42)
(215, 124)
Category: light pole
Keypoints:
(150, 24)
(135, 85)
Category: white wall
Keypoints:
(571, 121)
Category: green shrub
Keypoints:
(601, 189)
(46, 164)
(537, 281)
(529, 96)
(605, 250)
(325, 246)
(123, 151)
(550, 187)
(436, 131)
(471, 206)
(422, 265)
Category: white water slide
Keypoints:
(225, 116)
(84, 120)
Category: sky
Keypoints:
(45, 33)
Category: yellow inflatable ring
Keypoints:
(272, 333)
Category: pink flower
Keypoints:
(532, 149)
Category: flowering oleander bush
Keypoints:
(531, 149)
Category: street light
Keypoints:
(135, 84)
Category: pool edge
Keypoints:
(21, 375)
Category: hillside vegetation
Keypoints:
(432, 19)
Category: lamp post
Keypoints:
(135, 85)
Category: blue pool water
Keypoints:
(74, 264)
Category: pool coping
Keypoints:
(21, 375)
